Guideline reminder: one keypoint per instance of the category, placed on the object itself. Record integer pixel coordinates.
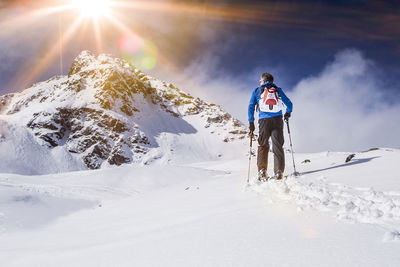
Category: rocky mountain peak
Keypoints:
(97, 111)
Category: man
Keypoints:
(268, 99)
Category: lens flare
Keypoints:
(130, 43)
(148, 63)
(141, 53)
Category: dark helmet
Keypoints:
(267, 77)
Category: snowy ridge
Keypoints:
(105, 112)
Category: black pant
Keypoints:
(271, 127)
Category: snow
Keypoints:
(20, 153)
(200, 213)
(105, 112)
(183, 200)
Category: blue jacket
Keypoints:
(255, 98)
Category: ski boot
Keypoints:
(262, 175)
(278, 175)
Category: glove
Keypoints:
(251, 127)
(287, 116)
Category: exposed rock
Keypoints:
(93, 110)
(350, 157)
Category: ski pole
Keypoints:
(251, 145)
(291, 146)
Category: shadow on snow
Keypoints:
(353, 162)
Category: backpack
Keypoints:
(269, 100)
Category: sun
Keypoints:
(92, 8)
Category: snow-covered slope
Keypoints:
(105, 112)
(182, 201)
(335, 214)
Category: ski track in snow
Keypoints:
(354, 205)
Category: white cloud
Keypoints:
(343, 108)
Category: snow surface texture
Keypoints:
(199, 215)
(105, 112)
(364, 205)
(350, 203)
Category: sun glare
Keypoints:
(92, 8)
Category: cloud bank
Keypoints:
(345, 107)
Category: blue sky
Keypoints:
(310, 33)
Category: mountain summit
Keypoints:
(106, 112)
